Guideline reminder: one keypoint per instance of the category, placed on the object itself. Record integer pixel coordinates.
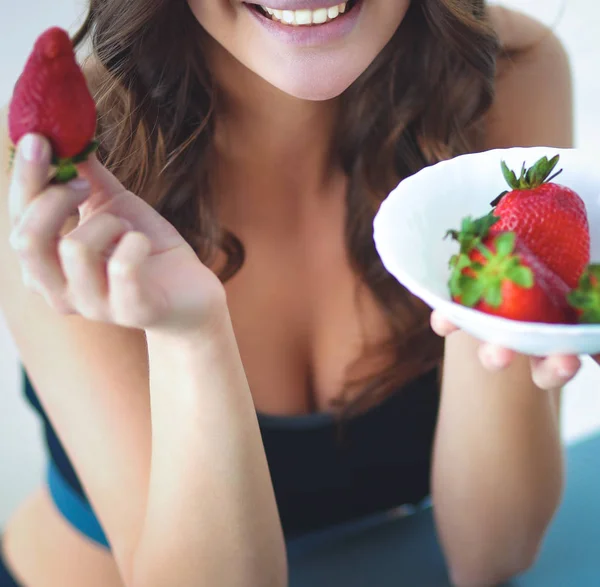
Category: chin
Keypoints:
(313, 90)
(317, 80)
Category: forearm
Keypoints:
(497, 474)
(211, 513)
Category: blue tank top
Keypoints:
(321, 478)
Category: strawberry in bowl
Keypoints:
(585, 298)
(496, 273)
(550, 218)
(511, 291)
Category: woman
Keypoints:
(238, 276)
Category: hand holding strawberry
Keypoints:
(123, 264)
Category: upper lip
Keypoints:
(296, 4)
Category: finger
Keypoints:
(30, 174)
(35, 237)
(83, 257)
(104, 185)
(494, 357)
(130, 305)
(99, 232)
(554, 372)
(440, 325)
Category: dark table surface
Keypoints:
(405, 551)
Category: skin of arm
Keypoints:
(498, 468)
(210, 491)
(162, 432)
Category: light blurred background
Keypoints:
(21, 452)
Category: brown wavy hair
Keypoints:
(421, 101)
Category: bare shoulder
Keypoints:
(534, 103)
(516, 30)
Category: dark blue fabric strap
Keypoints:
(74, 509)
(6, 578)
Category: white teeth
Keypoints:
(306, 17)
(303, 17)
(320, 16)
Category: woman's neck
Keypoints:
(272, 150)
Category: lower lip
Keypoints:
(310, 36)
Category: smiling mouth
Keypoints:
(298, 18)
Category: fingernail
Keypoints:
(80, 185)
(491, 360)
(563, 372)
(31, 148)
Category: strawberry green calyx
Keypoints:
(482, 281)
(537, 175)
(11, 158)
(534, 176)
(471, 234)
(586, 297)
(65, 168)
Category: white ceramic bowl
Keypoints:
(409, 234)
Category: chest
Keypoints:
(304, 322)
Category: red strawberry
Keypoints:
(586, 297)
(51, 97)
(496, 273)
(549, 218)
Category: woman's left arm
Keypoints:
(497, 472)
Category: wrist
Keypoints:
(215, 326)
(203, 358)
